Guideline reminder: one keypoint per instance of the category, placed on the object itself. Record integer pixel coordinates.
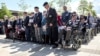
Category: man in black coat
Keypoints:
(37, 24)
(52, 24)
(6, 26)
(1, 27)
(27, 28)
(32, 30)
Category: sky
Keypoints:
(13, 4)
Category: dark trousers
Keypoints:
(45, 39)
(1, 30)
(32, 34)
(27, 34)
(53, 34)
(7, 31)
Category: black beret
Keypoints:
(45, 3)
(36, 7)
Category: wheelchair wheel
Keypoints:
(76, 44)
(85, 38)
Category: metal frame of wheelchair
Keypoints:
(74, 41)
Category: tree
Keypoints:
(4, 11)
(86, 7)
(63, 2)
(94, 13)
(83, 6)
(59, 4)
(90, 9)
(23, 6)
(51, 3)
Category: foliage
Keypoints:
(23, 6)
(4, 11)
(86, 7)
(83, 6)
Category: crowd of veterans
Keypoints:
(47, 27)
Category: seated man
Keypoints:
(82, 26)
(17, 28)
(69, 28)
(72, 25)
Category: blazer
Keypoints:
(66, 16)
(26, 21)
(52, 17)
(38, 19)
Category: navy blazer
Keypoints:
(52, 17)
(38, 19)
(6, 23)
(66, 16)
(26, 21)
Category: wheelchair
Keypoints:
(84, 32)
(19, 34)
(72, 36)
(75, 39)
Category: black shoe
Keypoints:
(68, 45)
(55, 46)
(6, 38)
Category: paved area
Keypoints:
(8, 48)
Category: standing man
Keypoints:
(37, 24)
(52, 24)
(66, 16)
(32, 31)
(27, 29)
(6, 26)
(92, 24)
(1, 26)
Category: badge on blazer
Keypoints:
(50, 15)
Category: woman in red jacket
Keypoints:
(59, 20)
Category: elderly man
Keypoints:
(37, 24)
(27, 28)
(52, 24)
(6, 26)
(91, 23)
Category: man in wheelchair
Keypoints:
(83, 26)
(19, 32)
(72, 32)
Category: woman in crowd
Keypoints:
(44, 28)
